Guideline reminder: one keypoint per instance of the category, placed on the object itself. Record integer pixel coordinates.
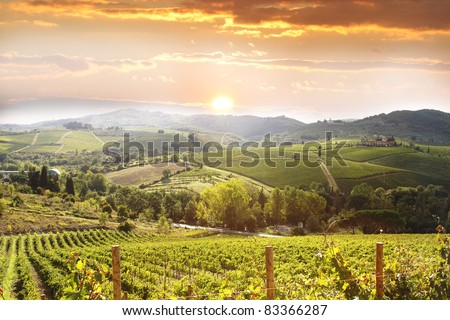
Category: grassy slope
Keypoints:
(428, 165)
(402, 169)
(41, 214)
(81, 140)
(281, 175)
(386, 167)
(9, 143)
(137, 175)
(369, 153)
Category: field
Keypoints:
(160, 266)
(81, 141)
(355, 170)
(145, 174)
(370, 153)
(9, 143)
(50, 137)
(429, 165)
(386, 167)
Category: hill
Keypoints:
(248, 127)
(422, 126)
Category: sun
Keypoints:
(222, 104)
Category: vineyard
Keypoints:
(214, 266)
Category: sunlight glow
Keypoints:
(222, 104)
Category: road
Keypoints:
(333, 185)
(227, 231)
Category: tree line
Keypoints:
(237, 205)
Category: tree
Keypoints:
(297, 206)
(33, 179)
(262, 198)
(190, 212)
(273, 210)
(122, 213)
(172, 208)
(361, 197)
(43, 178)
(53, 183)
(166, 173)
(227, 203)
(103, 218)
(163, 225)
(97, 182)
(258, 213)
(70, 189)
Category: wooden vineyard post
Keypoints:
(125, 295)
(379, 271)
(43, 297)
(189, 292)
(270, 282)
(116, 272)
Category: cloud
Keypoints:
(259, 59)
(124, 10)
(410, 14)
(18, 66)
(397, 19)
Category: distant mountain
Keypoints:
(245, 126)
(248, 127)
(424, 126)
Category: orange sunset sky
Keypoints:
(308, 59)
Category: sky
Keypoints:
(307, 59)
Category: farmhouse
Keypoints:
(378, 141)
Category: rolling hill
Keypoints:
(422, 126)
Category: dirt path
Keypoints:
(333, 185)
(60, 141)
(95, 136)
(42, 287)
(31, 144)
(34, 139)
(241, 233)
(242, 177)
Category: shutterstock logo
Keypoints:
(249, 154)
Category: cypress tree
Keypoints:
(43, 179)
(69, 186)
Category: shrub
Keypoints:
(126, 226)
(297, 231)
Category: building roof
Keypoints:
(54, 171)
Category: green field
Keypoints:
(81, 141)
(13, 142)
(50, 137)
(436, 150)
(8, 147)
(358, 170)
(392, 180)
(217, 267)
(388, 167)
(425, 164)
(370, 153)
(280, 176)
